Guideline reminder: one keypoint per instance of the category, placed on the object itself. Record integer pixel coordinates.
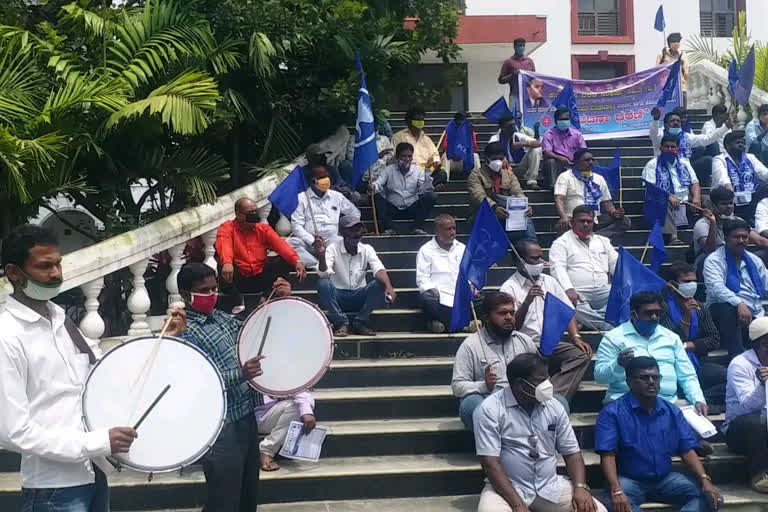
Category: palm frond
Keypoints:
(20, 83)
(226, 57)
(25, 160)
(261, 54)
(702, 49)
(89, 22)
(196, 171)
(239, 105)
(81, 91)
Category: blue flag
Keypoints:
(656, 205)
(629, 278)
(366, 153)
(487, 244)
(659, 253)
(672, 86)
(743, 88)
(659, 23)
(687, 126)
(557, 315)
(733, 76)
(286, 196)
(459, 143)
(495, 112)
(567, 99)
(611, 174)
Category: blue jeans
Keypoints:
(467, 406)
(83, 498)
(360, 301)
(674, 489)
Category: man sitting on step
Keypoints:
(740, 172)
(481, 361)
(582, 186)
(583, 263)
(425, 153)
(519, 432)
(437, 267)
(558, 145)
(403, 191)
(637, 436)
(342, 287)
(522, 150)
(528, 286)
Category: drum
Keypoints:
(185, 421)
(298, 346)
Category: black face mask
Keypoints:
(252, 218)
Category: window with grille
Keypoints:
(717, 17)
(599, 18)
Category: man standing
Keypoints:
(482, 358)
(637, 435)
(45, 360)
(529, 286)
(519, 431)
(403, 190)
(741, 172)
(342, 287)
(583, 263)
(558, 145)
(582, 186)
(756, 131)
(425, 153)
(437, 267)
(522, 151)
(672, 53)
(510, 70)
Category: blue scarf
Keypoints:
(677, 315)
(733, 273)
(515, 156)
(663, 176)
(742, 177)
(460, 144)
(592, 192)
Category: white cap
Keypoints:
(758, 328)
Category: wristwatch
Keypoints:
(705, 476)
(583, 486)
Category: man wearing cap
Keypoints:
(744, 425)
(670, 54)
(342, 287)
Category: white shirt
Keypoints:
(649, 175)
(327, 210)
(402, 190)
(41, 378)
(691, 140)
(582, 265)
(518, 286)
(744, 393)
(715, 277)
(710, 127)
(721, 178)
(347, 271)
(572, 188)
(761, 216)
(438, 269)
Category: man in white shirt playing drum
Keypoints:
(44, 361)
(437, 267)
(342, 287)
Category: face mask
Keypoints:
(39, 291)
(354, 242)
(582, 236)
(586, 174)
(667, 157)
(563, 125)
(252, 218)
(403, 166)
(674, 131)
(496, 165)
(519, 51)
(688, 289)
(203, 303)
(323, 184)
(534, 270)
(544, 392)
(645, 328)
(418, 124)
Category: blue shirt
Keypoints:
(664, 346)
(643, 444)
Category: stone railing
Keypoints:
(708, 86)
(87, 267)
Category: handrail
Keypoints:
(706, 72)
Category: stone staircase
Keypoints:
(396, 442)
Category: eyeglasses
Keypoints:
(533, 452)
(649, 378)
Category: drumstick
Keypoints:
(264, 336)
(148, 364)
(152, 406)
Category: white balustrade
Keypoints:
(209, 239)
(139, 302)
(177, 260)
(92, 324)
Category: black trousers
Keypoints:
(417, 212)
(433, 310)
(248, 290)
(731, 332)
(703, 168)
(551, 169)
(232, 468)
(748, 436)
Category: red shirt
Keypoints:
(513, 65)
(246, 247)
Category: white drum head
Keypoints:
(298, 348)
(186, 421)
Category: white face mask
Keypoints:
(496, 165)
(534, 270)
(544, 392)
(41, 292)
(688, 289)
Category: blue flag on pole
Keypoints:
(557, 315)
(567, 99)
(459, 143)
(672, 85)
(487, 244)
(733, 76)
(495, 112)
(366, 153)
(743, 88)
(659, 252)
(612, 173)
(687, 126)
(286, 196)
(655, 206)
(629, 278)
(659, 23)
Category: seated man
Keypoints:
(403, 190)
(347, 169)
(519, 431)
(528, 286)
(559, 145)
(455, 140)
(583, 263)
(342, 287)
(637, 435)
(425, 153)
(756, 130)
(685, 316)
(482, 358)
(523, 151)
(319, 208)
(673, 174)
(741, 172)
(744, 425)
(437, 267)
(242, 246)
(317, 154)
(737, 282)
(582, 186)
(494, 182)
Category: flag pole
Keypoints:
(375, 219)
(479, 329)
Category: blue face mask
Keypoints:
(674, 131)
(354, 242)
(645, 328)
(519, 51)
(563, 125)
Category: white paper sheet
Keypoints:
(303, 447)
(516, 207)
(700, 424)
(446, 299)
